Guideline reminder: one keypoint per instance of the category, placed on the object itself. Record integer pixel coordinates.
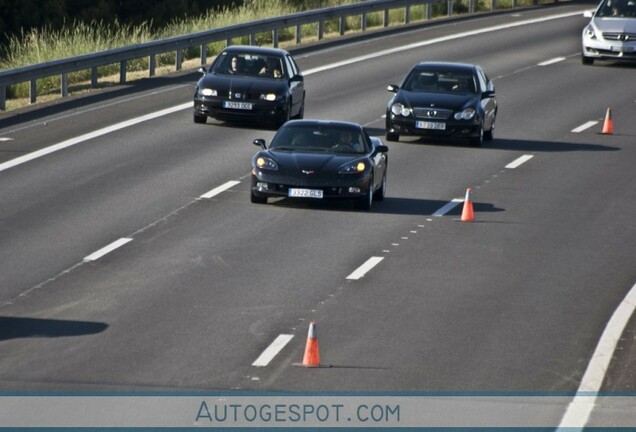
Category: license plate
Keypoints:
(430, 125)
(622, 48)
(305, 193)
(237, 105)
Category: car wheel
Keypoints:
(365, 202)
(198, 118)
(256, 199)
(392, 136)
(286, 115)
(489, 135)
(381, 192)
(301, 111)
(587, 60)
(479, 139)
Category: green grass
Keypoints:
(45, 45)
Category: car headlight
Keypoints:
(268, 96)
(266, 163)
(399, 109)
(208, 92)
(467, 114)
(353, 168)
(589, 32)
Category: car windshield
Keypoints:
(248, 64)
(439, 81)
(311, 138)
(617, 9)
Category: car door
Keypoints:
(296, 85)
(489, 104)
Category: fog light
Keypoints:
(354, 190)
(261, 186)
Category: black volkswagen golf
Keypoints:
(443, 99)
(250, 83)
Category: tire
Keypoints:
(301, 112)
(381, 193)
(489, 135)
(287, 114)
(365, 202)
(392, 136)
(586, 60)
(200, 119)
(255, 199)
(478, 140)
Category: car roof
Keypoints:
(445, 65)
(323, 123)
(255, 50)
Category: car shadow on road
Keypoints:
(17, 327)
(497, 144)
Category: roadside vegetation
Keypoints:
(44, 45)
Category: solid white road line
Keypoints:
(73, 141)
(448, 207)
(519, 161)
(364, 268)
(103, 251)
(585, 126)
(579, 410)
(551, 61)
(214, 192)
(272, 350)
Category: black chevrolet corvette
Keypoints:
(250, 83)
(443, 99)
(316, 159)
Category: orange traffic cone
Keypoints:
(608, 124)
(311, 357)
(467, 212)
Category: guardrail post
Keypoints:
(299, 33)
(122, 72)
(64, 85)
(342, 25)
(204, 54)
(94, 77)
(33, 90)
(363, 22)
(275, 38)
(429, 11)
(179, 59)
(385, 18)
(407, 13)
(321, 29)
(493, 5)
(3, 98)
(152, 65)
(449, 8)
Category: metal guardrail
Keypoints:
(178, 44)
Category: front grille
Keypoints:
(620, 36)
(432, 113)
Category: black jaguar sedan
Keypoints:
(443, 100)
(250, 83)
(316, 160)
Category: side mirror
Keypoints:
(488, 94)
(588, 14)
(202, 70)
(381, 149)
(297, 78)
(393, 88)
(260, 142)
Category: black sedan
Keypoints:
(315, 159)
(443, 99)
(250, 83)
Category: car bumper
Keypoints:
(609, 51)
(452, 129)
(260, 110)
(264, 185)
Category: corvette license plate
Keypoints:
(237, 105)
(430, 125)
(305, 193)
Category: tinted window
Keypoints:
(319, 139)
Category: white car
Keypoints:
(611, 33)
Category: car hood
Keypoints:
(446, 100)
(242, 84)
(615, 25)
(296, 162)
